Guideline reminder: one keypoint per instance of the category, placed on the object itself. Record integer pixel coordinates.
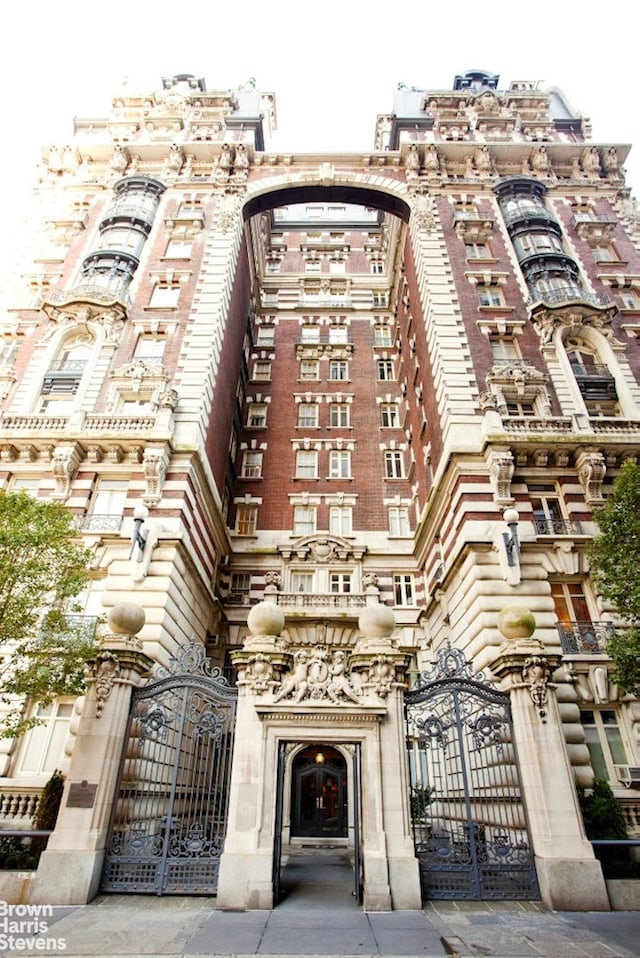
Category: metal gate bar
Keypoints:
(170, 811)
(469, 822)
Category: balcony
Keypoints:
(556, 527)
(81, 627)
(584, 638)
(100, 523)
(595, 382)
(569, 294)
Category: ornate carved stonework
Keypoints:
(105, 671)
(501, 469)
(322, 549)
(80, 313)
(535, 674)
(64, 465)
(592, 469)
(317, 676)
(422, 212)
(155, 460)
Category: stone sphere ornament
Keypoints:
(377, 622)
(126, 618)
(516, 622)
(265, 618)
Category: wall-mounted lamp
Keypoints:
(139, 535)
(511, 543)
(320, 758)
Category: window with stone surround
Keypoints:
(606, 740)
(385, 370)
(308, 415)
(257, 415)
(393, 464)
(43, 749)
(252, 464)
(304, 520)
(341, 520)
(306, 464)
(339, 464)
(309, 370)
(339, 415)
(403, 589)
(390, 415)
(338, 370)
(399, 521)
(246, 519)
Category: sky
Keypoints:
(332, 65)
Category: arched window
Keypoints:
(595, 381)
(62, 380)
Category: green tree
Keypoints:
(615, 567)
(42, 567)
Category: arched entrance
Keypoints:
(319, 794)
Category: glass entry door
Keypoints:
(319, 794)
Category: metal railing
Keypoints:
(100, 523)
(584, 637)
(568, 294)
(80, 626)
(556, 527)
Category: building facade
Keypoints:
(334, 427)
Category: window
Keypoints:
(393, 464)
(490, 296)
(337, 266)
(178, 249)
(377, 267)
(548, 514)
(605, 253)
(390, 415)
(340, 582)
(604, 740)
(399, 521)
(252, 464)
(403, 590)
(150, 349)
(306, 464)
(338, 334)
(308, 415)
(257, 415)
(246, 519)
(504, 349)
(380, 298)
(304, 520)
(135, 407)
(630, 298)
(338, 370)
(531, 244)
(240, 587)
(382, 335)
(515, 408)
(302, 581)
(62, 380)
(309, 370)
(29, 484)
(339, 415)
(266, 335)
(273, 266)
(165, 295)
(262, 371)
(44, 744)
(339, 464)
(310, 334)
(569, 602)
(107, 506)
(477, 251)
(341, 520)
(312, 266)
(385, 370)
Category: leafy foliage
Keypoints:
(42, 567)
(615, 567)
(603, 818)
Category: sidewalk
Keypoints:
(118, 925)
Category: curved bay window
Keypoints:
(123, 232)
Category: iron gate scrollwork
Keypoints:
(170, 811)
(469, 823)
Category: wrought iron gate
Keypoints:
(469, 822)
(170, 810)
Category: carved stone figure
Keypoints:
(297, 684)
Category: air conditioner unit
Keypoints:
(628, 775)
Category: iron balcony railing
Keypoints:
(528, 211)
(100, 523)
(556, 527)
(584, 637)
(314, 600)
(81, 626)
(568, 294)
(88, 291)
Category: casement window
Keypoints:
(477, 251)
(302, 581)
(399, 521)
(304, 520)
(309, 370)
(246, 519)
(605, 739)
(266, 335)
(179, 249)
(393, 464)
(43, 750)
(306, 464)
(308, 415)
(549, 517)
(106, 508)
(390, 416)
(339, 464)
(385, 370)
(339, 415)
(504, 348)
(403, 590)
(382, 335)
(240, 587)
(310, 334)
(490, 296)
(252, 464)
(338, 370)
(341, 520)
(377, 267)
(150, 349)
(165, 295)
(262, 371)
(257, 415)
(338, 335)
(340, 582)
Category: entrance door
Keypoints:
(319, 794)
